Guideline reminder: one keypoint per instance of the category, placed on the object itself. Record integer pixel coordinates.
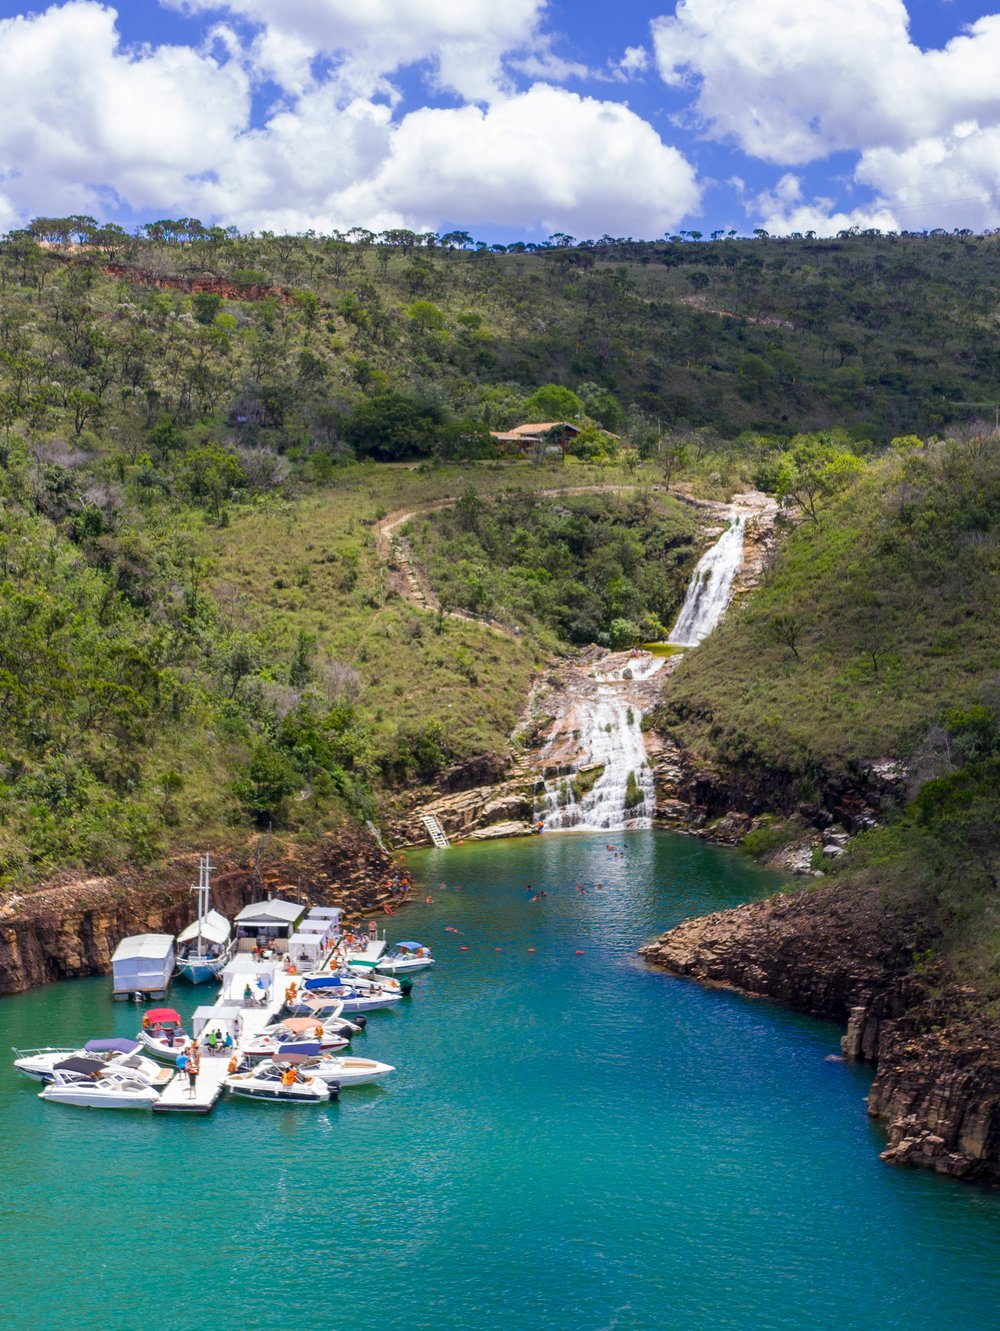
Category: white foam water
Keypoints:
(710, 587)
(610, 735)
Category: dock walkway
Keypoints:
(177, 1099)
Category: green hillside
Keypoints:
(200, 433)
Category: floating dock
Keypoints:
(177, 1097)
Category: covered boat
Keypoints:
(163, 1034)
(208, 943)
(142, 966)
(267, 1042)
(407, 958)
(115, 1052)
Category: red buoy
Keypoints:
(579, 952)
(531, 949)
(463, 948)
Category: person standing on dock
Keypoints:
(193, 1068)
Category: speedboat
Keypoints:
(90, 1084)
(163, 1034)
(279, 1084)
(357, 993)
(119, 1053)
(407, 958)
(346, 1071)
(289, 1031)
(206, 946)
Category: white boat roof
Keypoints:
(218, 1012)
(309, 926)
(274, 911)
(306, 940)
(215, 928)
(153, 946)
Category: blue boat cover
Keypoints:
(410, 947)
(311, 1048)
(322, 982)
(116, 1044)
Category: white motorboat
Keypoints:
(407, 958)
(281, 1085)
(90, 1084)
(292, 1030)
(345, 1071)
(206, 946)
(119, 1053)
(357, 993)
(163, 1034)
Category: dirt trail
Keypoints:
(410, 579)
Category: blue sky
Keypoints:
(512, 120)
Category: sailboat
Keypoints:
(207, 944)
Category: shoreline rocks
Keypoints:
(840, 955)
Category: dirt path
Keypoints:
(410, 579)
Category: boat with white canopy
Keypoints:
(208, 943)
(114, 1052)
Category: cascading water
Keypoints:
(710, 587)
(599, 774)
(621, 796)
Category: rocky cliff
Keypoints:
(71, 929)
(843, 956)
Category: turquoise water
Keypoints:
(572, 1143)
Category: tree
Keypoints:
(813, 469)
(426, 317)
(211, 474)
(552, 402)
(672, 454)
(267, 783)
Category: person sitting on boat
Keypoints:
(234, 1064)
(289, 1076)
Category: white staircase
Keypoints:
(434, 830)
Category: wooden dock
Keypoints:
(177, 1097)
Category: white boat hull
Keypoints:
(164, 1052)
(85, 1098)
(405, 966)
(314, 1093)
(349, 1071)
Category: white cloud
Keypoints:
(785, 209)
(168, 129)
(465, 39)
(547, 158)
(792, 81)
(84, 116)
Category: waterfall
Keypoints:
(610, 738)
(710, 586)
